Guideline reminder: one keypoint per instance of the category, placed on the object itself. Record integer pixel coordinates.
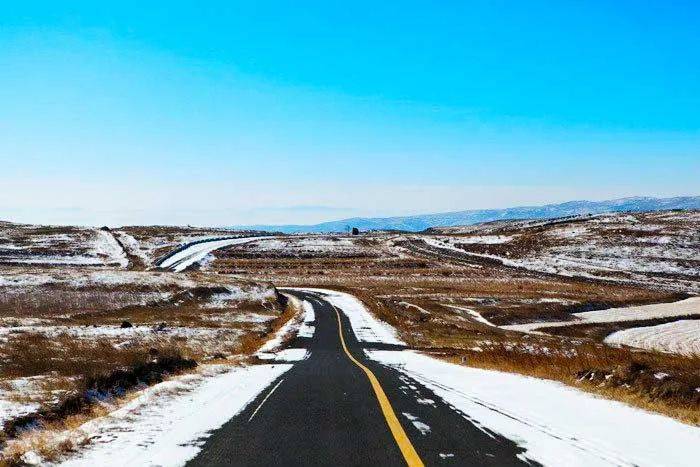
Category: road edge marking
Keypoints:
(409, 452)
(265, 400)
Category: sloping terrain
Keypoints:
(425, 221)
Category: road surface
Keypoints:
(339, 408)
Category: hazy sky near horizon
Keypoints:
(272, 112)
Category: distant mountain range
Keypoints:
(448, 219)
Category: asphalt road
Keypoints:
(325, 411)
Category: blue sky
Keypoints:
(251, 112)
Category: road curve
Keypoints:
(327, 410)
(196, 251)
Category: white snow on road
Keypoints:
(681, 337)
(197, 252)
(167, 424)
(365, 326)
(687, 307)
(307, 329)
(556, 424)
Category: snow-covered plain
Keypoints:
(135, 333)
(308, 244)
(557, 425)
(687, 307)
(167, 424)
(76, 247)
(681, 336)
(236, 294)
(474, 314)
(642, 248)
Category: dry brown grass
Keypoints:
(38, 354)
(48, 442)
(35, 354)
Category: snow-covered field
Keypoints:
(22, 244)
(681, 336)
(10, 407)
(687, 307)
(74, 277)
(643, 248)
(334, 245)
(557, 425)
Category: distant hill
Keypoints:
(448, 219)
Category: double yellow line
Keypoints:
(409, 452)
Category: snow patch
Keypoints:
(365, 326)
(557, 425)
(423, 428)
(687, 307)
(681, 336)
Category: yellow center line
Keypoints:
(409, 452)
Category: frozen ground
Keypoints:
(125, 336)
(557, 425)
(679, 337)
(9, 407)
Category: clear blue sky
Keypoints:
(246, 112)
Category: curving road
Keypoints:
(328, 409)
(196, 251)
